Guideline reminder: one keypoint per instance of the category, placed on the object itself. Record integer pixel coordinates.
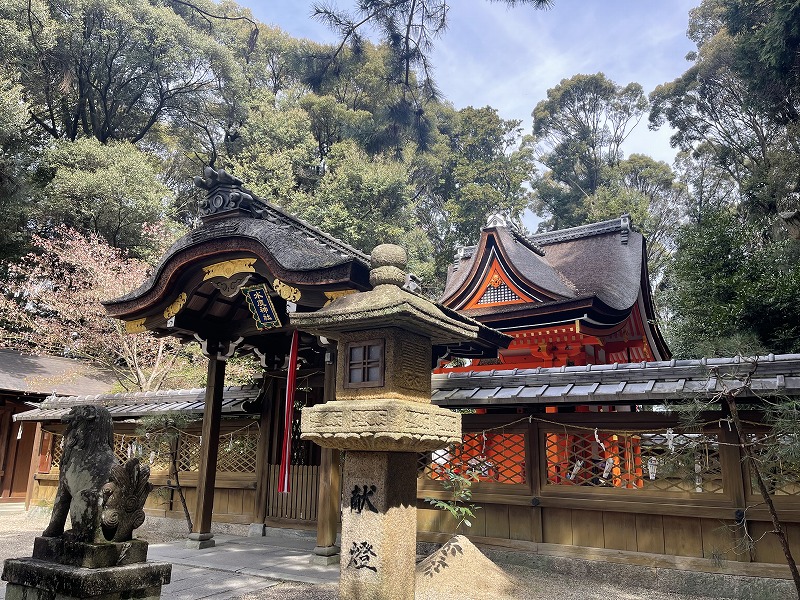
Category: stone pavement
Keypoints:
(240, 565)
(237, 566)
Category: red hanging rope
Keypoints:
(284, 486)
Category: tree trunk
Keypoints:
(173, 459)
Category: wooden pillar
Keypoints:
(534, 462)
(35, 459)
(329, 490)
(733, 472)
(11, 460)
(201, 536)
(265, 426)
(5, 438)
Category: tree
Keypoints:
(332, 121)
(163, 432)
(111, 69)
(709, 187)
(366, 201)
(767, 37)
(731, 289)
(648, 191)
(408, 29)
(479, 165)
(109, 190)
(712, 106)
(16, 155)
(51, 305)
(579, 130)
(276, 153)
(734, 278)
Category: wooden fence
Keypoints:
(234, 496)
(614, 483)
(605, 485)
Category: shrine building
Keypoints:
(568, 298)
(561, 391)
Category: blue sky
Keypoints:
(507, 58)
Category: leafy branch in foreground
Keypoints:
(765, 455)
(459, 504)
(163, 431)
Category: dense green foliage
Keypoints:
(108, 108)
(734, 281)
(580, 129)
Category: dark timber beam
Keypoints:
(265, 428)
(201, 536)
(326, 551)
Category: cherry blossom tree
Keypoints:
(51, 305)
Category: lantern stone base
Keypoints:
(379, 525)
(381, 425)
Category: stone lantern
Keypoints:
(383, 418)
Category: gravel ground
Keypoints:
(533, 585)
(17, 533)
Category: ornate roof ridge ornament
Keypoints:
(497, 219)
(501, 220)
(225, 196)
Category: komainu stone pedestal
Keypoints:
(65, 570)
(98, 558)
(378, 525)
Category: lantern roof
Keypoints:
(389, 305)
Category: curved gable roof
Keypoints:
(236, 224)
(606, 263)
(518, 257)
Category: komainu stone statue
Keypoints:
(98, 558)
(85, 467)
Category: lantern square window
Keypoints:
(365, 364)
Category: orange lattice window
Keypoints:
(667, 462)
(489, 457)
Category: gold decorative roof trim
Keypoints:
(331, 296)
(174, 308)
(135, 326)
(285, 291)
(229, 267)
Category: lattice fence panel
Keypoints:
(490, 457)
(189, 453)
(57, 450)
(237, 451)
(779, 466)
(666, 462)
(151, 450)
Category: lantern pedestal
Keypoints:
(382, 418)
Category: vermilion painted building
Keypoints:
(570, 297)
